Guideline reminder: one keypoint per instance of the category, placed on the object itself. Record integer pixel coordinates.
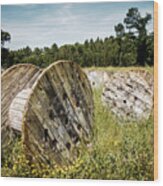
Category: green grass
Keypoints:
(118, 151)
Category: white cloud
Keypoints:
(63, 25)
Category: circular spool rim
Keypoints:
(6, 74)
(34, 87)
(129, 74)
(17, 66)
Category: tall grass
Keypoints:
(118, 151)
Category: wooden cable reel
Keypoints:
(129, 96)
(55, 114)
(13, 81)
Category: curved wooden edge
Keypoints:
(44, 71)
(35, 87)
(55, 63)
(5, 74)
(17, 66)
(39, 79)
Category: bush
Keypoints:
(123, 151)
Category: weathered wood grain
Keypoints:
(16, 109)
(13, 81)
(58, 116)
(52, 110)
(129, 95)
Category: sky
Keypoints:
(40, 25)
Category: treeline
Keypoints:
(132, 46)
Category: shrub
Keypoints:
(117, 152)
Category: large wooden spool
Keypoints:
(128, 95)
(13, 81)
(55, 114)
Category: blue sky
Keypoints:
(39, 25)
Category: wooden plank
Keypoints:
(64, 113)
(127, 97)
(14, 80)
